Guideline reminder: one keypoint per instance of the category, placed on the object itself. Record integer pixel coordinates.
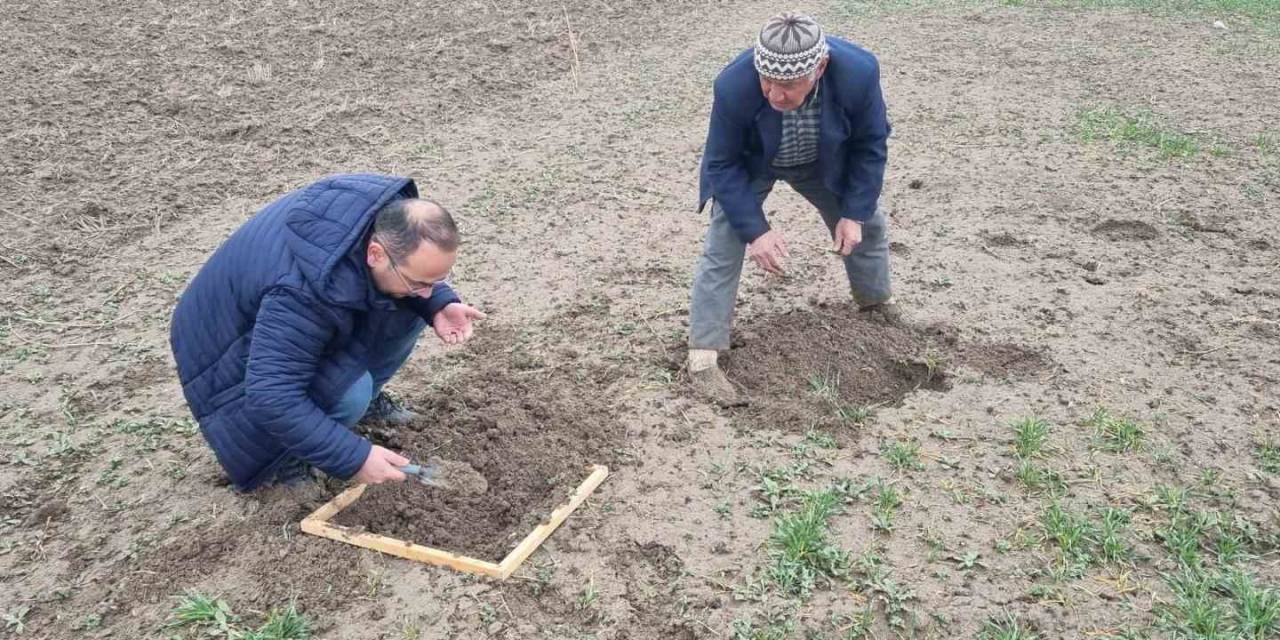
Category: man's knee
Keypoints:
(355, 401)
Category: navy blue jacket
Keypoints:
(278, 324)
(745, 133)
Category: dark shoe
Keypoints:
(387, 411)
(290, 472)
(886, 313)
(712, 385)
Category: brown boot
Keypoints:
(886, 313)
(714, 386)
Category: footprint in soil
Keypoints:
(458, 476)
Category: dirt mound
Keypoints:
(828, 363)
(1126, 230)
(531, 434)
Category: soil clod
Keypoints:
(458, 476)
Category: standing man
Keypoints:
(805, 108)
(287, 334)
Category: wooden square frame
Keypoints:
(317, 524)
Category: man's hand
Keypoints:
(769, 251)
(848, 234)
(380, 466)
(453, 323)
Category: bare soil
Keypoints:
(1044, 275)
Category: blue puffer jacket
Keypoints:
(278, 324)
(745, 132)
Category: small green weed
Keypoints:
(903, 456)
(819, 439)
(854, 627)
(825, 385)
(1006, 627)
(885, 501)
(16, 620)
(1171, 499)
(282, 624)
(1267, 143)
(878, 582)
(1074, 536)
(855, 415)
(1268, 454)
(111, 476)
(1182, 537)
(156, 432)
(1036, 478)
(213, 617)
(774, 488)
(1116, 434)
(1114, 547)
(775, 627)
(827, 388)
(589, 596)
(1029, 437)
(202, 611)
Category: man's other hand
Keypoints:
(380, 466)
(769, 251)
(848, 234)
(453, 323)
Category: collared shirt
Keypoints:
(799, 143)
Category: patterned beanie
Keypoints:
(790, 46)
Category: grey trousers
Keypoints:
(715, 283)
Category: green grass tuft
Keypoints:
(1226, 606)
(282, 624)
(885, 501)
(1006, 627)
(1038, 479)
(1116, 434)
(199, 610)
(802, 554)
(214, 618)
(1268, 454)
(903, 456)
(1029, 437)
(1137, 127)
(1113, 546)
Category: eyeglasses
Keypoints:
(422, 290)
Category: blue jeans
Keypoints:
(715, 283)
(391, 355)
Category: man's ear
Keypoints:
(822, 65)
(374, 254)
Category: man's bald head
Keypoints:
(401, 225)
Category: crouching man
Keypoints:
(286, 336)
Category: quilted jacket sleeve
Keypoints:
(288, 343)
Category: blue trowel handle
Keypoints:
(424, 474)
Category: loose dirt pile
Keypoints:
(823, 364)
(457, 476)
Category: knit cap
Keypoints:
(790, 46)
